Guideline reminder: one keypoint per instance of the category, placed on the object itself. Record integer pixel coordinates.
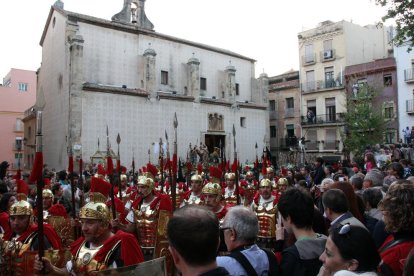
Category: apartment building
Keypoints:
(17, 93)
(284, 114)
(379, 79)
(405, 83)
(325, 52)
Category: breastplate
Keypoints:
(12, 252)
(146, 219)
(231, 200)
(84, 260)
(266, 215)
(193, 200)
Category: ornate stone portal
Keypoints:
(215, 122)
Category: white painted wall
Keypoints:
(405, 90)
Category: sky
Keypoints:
(265, 30)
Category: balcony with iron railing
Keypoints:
(332, 118)
(409, 107)
(313, 86)
(409, 75)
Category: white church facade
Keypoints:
(122, 74)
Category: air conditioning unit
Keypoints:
(327, 54)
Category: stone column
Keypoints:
(149, 71)
(193, 84)
(230, 93)
(75, 89)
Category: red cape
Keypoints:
(131, 253)
(4, 221)
(223, 212)
(48, 230)
(163, 199)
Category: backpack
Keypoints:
(302, 267)
(392, 252)
(244, 262)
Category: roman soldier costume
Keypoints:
(250, 186)
(121, 249)
(231, 194)
(150, 216)
(215, 189)
(18, 250)
(190, 197)
(266, 211)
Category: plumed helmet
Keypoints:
(230, 176)
(146, 181)
(269, 170)
(96, 208)
(196, 177)
(283, 181)
(21, 208)
(265, 183)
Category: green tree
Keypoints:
(365, 123)
(402, 12)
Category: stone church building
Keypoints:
(122, 74)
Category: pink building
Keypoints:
(17, 94)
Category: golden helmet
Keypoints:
(230, 176)
(265, 183)
(269, 170)
(196, 177)
(249, 173)
(282, 181)
(95, 210)
(146, 181)
(21, 208)
(212, 188)
(47, 193)
(123, 177)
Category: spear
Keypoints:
(235, 162)
(110, 171)
(161, 164)
(81, 180)
(168, 165)
(118, 167)
(133, 166)
(37, 175)
(174, 164)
